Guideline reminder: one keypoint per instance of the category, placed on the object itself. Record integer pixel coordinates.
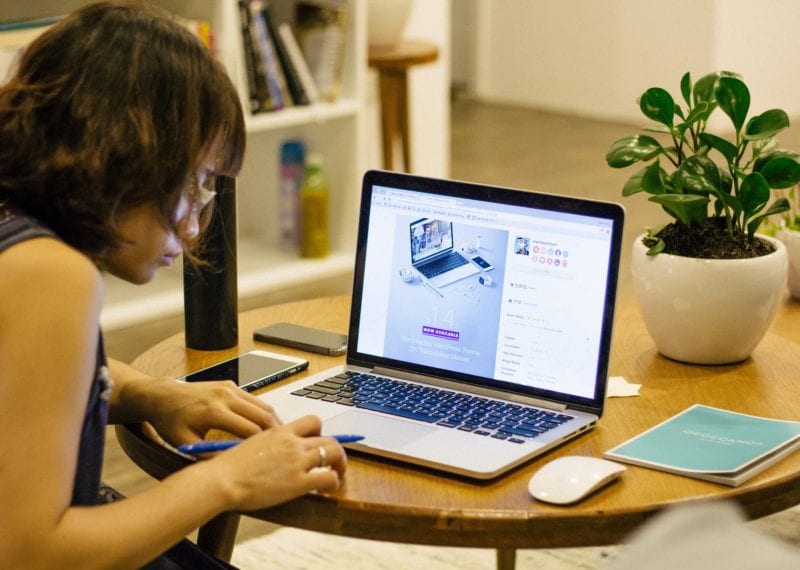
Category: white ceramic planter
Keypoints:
(708, 311)
(791, 239)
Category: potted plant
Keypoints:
(707, 284)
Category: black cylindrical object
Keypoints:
(210, 302)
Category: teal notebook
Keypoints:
(711, 444)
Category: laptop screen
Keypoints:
(536, 319)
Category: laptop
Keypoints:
(433, 254)
(481, 376)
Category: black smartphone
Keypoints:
(304, 338)
(250, 370)
(482, 263)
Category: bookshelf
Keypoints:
(334, 130)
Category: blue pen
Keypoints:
(211, 446)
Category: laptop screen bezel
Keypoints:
(498, 194)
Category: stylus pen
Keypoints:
(432, 288)
(210, 446)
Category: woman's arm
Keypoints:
(50, 298)
(267, 469)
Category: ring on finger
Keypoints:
(323, 456)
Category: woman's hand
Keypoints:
(280, 464)
(184, 412)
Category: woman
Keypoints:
(110, 129)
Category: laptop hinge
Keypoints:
(469, 388)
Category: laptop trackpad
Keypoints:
(378, 431)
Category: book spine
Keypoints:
(293, 83)
(296, 56)
(264, 45)
(264, 93)
(250, 61)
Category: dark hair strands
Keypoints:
(112, 108)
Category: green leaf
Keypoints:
(704, 88)
(763, 146)
(634, 184)
(697, 113)
(777, 207)
(766, 125)
(733, 98)
(753, 194)
(686, 208)
(629, 150)
(725, 147)
(657, 104)
(653, 178)
(699, 174)
(657, 129)
(686, 88)
(768, 155)
(731, 202)
(781, 172)
(725, 181)
(657, 248)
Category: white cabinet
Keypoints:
(334, 130)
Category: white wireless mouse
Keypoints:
(569, 479)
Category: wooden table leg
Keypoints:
(391, 85)
(506, 558)
(401, 85)
(218, 535)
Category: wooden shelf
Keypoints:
(297, 116)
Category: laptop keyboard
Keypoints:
(485, 417)
(442, 265)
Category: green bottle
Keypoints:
(314, 205)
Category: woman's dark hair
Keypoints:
(114, 107)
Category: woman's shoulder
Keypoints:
(32, 255)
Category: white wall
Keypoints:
(595, 58)
(429, 95)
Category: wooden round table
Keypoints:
(390, 501)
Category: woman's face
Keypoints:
(150, 245)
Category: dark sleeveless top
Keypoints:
(16, 227)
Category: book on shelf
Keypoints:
(321, 32)
(711, 444)
(266, 53)
(295, 55)
(292, 79)
(258, 93)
